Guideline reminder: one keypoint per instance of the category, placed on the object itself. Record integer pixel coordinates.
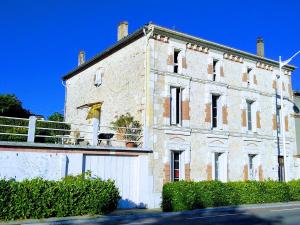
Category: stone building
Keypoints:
(209, 112)
(297, 118)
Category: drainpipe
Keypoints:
(147, 85)
(65, 85)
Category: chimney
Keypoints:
(260, 47)
(122, 30)
(81, 58)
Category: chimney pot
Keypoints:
(260, 47)
(81, 58)
(122, 30)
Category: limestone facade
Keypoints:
(140, 77)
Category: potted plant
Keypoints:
(127, 129)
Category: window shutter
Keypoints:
(274, 122)
(170, 59)
(184, 65)
(218, 68)
(258, 125)
(219, 113)
(225, 115)
(208, 113)
(98, 78)
(173, 106)
(244, 118)
(253, 117)
(254, 79)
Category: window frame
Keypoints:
(251, 166)
(249, 104)
(249, 76)
(176, 59)
(178, 106)
(278, 118)
(216, 63)
(178, 167)
(215, 119)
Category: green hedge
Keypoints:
(183, 195)
(72, 196)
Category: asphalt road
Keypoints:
(267, 214)
(236, 216)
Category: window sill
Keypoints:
(177, 130)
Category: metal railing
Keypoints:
(35, 130)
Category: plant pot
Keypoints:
(131, 145)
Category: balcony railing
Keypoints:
(35, 130)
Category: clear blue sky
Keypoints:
(40, 40)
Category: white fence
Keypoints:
(45, 131)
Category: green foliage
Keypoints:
(127, 125)
(72, 196)
(13, 130)
(183, 195)
(56, 135)
(11, 106)
(56, 116)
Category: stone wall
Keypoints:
(232, 138)
(121, 91)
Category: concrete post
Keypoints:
(95, 131)
(31, 129)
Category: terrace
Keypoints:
(34, 130)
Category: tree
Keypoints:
(52, 136)
(11, 106)
(56, 116)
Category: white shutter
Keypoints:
(219, 113)
(173, 106)
(218, 70)
(98, 78)
(253, 115)
(180, 56)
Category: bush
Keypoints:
(72, 196)
(183, 195)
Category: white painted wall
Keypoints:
(129, 172)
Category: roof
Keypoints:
(174, 34)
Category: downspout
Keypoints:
(65, 85)
(147, 110)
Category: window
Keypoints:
(176, 60)
(215, 64)
(281, 168)
(176, 166)
(217, 166)
(278, 113)
(251, 167)
(248, 76)
(249, 114)
(98, 77)
(215, 109)
(176, 98)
